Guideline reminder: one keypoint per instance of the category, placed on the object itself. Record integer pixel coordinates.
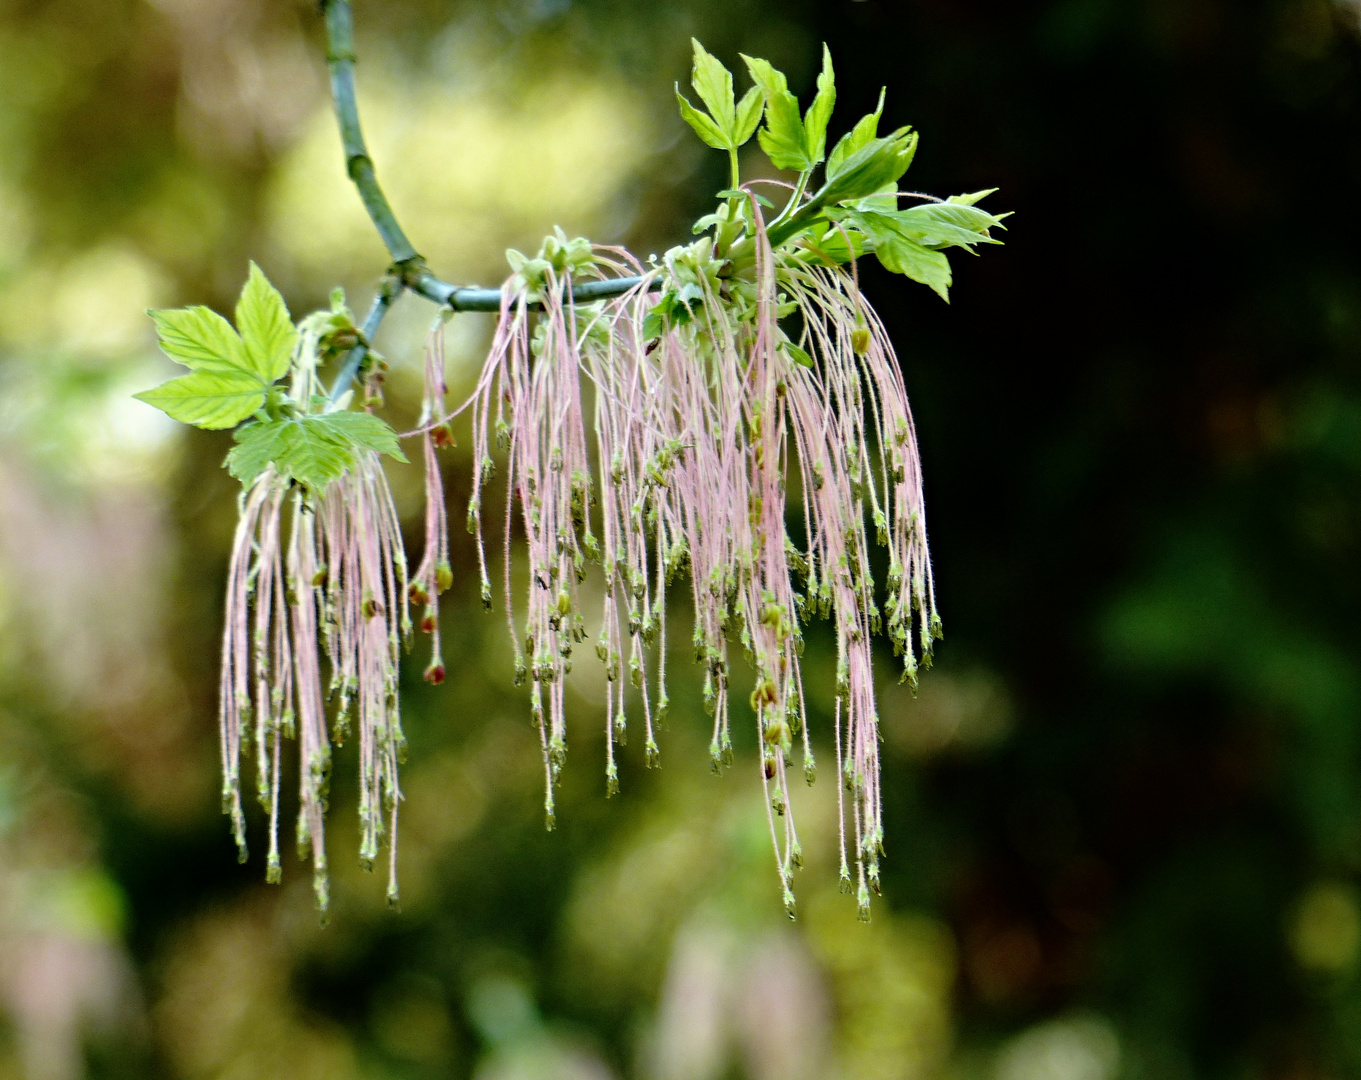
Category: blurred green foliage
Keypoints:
(1124, 813)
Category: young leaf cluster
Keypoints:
(856, 209)
(234, 376)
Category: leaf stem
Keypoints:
(792, 206)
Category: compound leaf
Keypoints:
(901, 254)
(312, 453)
(972, 198)
(783, 138)
(870, 169)
(837, 246)
(314, 450)
(765, 75)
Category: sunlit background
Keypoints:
(1124, 811)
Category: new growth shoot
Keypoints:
(728, 422)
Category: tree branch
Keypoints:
(408, 268)
(392, 288)
(470, 298)
(340, 58)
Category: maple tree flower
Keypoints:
(434, 574)
(333, 579)
(700, 424)
(732, 416)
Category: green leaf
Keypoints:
(315, 450)
(364, 430)
(199, 338)
(703, 125)
(654, 323)
(973, 199)
(820, 112)
(885, 199)
(920, 264)
(265, 326)
(257, 446)
(748, 115)
(208, 398)
(870, 169)
(708, 221)
(765, 75)
(940, 225)
(860, 136)
(901, 254)
(833, 249)
(312, 453)
(713, 83)
(799, 356)
(783, 137)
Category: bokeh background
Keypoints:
(1124, 812)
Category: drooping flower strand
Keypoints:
(546, 375)
(274, 577)
(868, 404)
(729, 381)
(635, 457)
(736, 390)
(434, 575)
(308, 574)
(236, 683)
(697, 426)
(331, 574)
(366, 604)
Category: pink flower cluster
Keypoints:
(335, 579)
(681, 448)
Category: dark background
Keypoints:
(1123, 823)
